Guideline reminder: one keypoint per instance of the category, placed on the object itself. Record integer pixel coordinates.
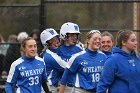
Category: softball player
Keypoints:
(69, 35)
(85, 66)
(121, 71)
(28, 72)
(54, 64)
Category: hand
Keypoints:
(62, 89)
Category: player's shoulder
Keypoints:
(17, 62)
(79, 54)
(39, 58)
(78, 46)
(101, 53)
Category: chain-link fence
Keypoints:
(88, 14)
(9, 52)
(18, 19)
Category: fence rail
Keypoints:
(85, 1)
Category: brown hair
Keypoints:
(43, 50)
(123, 35)
(23, 44)
(106, 33)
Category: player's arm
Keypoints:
(64, 80)
(62, 88)
(11, 79)
(10, 88)
(44, 82)
(45, 87)
(107, 76)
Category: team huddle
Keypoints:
(68, 67)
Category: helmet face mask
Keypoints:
(63, 37)
(47, 43)
(68, 28)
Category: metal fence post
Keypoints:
(42, 15)
(41, 23)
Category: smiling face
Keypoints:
(94, 41)
(106, 43)
(30, 48)
(54, 42)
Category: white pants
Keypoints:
(53, 89)
(69, 89)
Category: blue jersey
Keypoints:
(67, 51)
(107, 53)
(86, 67)
(54, 66)
(121, 73)
(27, 74)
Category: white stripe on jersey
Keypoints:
(18, 90)
(58, 59)
(69, 63)
(40, 59)
(77, 81)
(101, 52)
(12, 69)
(49, 78)
(78, 45)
